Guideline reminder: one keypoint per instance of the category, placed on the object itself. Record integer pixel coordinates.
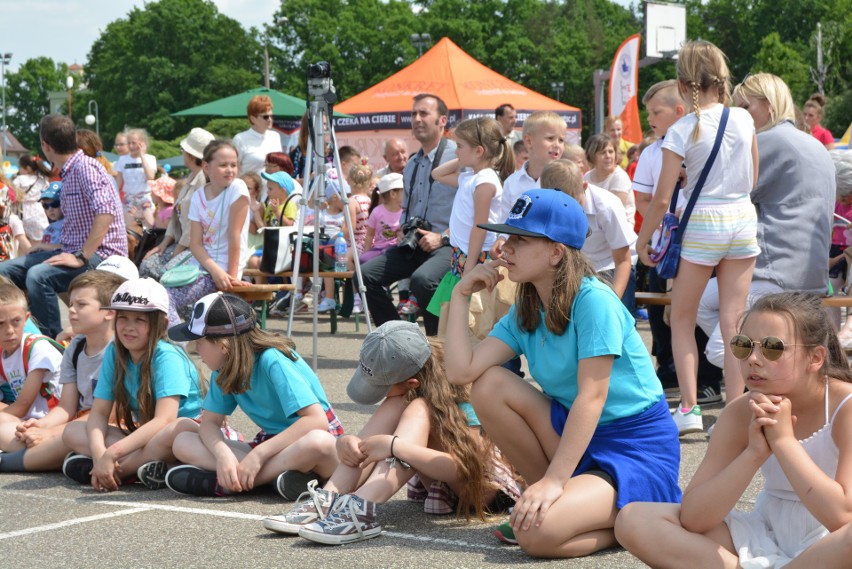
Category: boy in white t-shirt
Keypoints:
(29, 369)
(79, 372)
(544, 137)
(665, 107)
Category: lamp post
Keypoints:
(420, 41)
(94, 119)
(558, 86)
(282, 21)
(69, 82)
(5, 59)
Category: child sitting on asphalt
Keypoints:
(41, 438)
(424, 430)
(262, 373)
(29, 369)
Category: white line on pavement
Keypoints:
(143, 506)
(66, 523)
(201, 511)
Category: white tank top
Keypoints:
(819, 446)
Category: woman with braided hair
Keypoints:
(722, 230)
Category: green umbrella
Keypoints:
(286, 106)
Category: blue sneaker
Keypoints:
(641, 315)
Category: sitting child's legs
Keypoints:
(639, 526)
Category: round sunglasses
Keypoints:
(771, 347)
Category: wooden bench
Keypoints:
(262, 293)
(336, 275)
(664, 298)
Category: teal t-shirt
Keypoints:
(30, 327)
(599, 326)
(279, 388)
(171, 372)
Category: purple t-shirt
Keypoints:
(386, 225)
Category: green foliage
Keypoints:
(225, 128)
(164, 148)
(838, 114)
(26, 93)
(780, 59)
(364, 40)
(168, 56)
(173, 54)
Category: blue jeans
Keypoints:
(42, 283)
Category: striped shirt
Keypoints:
(87, 191)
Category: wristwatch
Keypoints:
(79, 255)
(445, 239)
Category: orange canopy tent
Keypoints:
(469, 89)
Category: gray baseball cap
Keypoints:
(390, 354)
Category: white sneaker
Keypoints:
(689, 422)
(326, 305)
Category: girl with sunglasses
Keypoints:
(795, 425)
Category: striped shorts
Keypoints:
(720, 229)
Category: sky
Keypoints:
(64, 30)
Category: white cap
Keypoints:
(390, 182)
(140, 295)
(121, 266)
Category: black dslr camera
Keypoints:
(409, 232)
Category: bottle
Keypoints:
(340, 253)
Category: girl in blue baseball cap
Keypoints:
(599, 434)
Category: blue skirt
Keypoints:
(641, 453)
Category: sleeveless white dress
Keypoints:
(780, 528)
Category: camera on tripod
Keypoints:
(409, 232)
(320, 85)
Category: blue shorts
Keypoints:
(640, 453)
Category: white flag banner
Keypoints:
(624, 78)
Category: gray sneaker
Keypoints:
(352, 519)
(313, 505)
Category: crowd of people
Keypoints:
(589, 458)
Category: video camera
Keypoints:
(320, 85)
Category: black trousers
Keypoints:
(425, 271)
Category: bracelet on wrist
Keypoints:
(393, 460)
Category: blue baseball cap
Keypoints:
(51, 192)
(283, 179)
(546, 213)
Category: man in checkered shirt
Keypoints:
(93, 229)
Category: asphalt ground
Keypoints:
(48, 521)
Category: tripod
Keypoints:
(321, 97)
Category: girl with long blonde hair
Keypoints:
(424, 433)
(721, 234)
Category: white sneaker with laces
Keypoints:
(689, 422)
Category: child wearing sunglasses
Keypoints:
(53, 210)
(796, 427)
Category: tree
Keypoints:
(171, 55)
(780, 59)
(26, 96)
(364, 40)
